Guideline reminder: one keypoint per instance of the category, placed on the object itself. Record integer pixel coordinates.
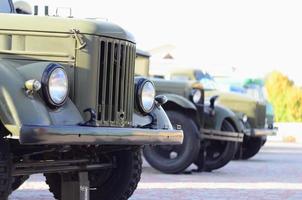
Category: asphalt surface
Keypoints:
(275, 173)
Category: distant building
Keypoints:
(163, 61)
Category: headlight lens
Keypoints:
(148, 95)
(196, 95)
(55, 85)
(145, 95)
(58, 86)
(244, 118)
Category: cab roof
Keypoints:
(63, 25)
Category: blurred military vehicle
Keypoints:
(211, 132)
(255, 112)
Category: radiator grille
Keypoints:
(116, 81)
(260, 115)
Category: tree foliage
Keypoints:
(285, 97)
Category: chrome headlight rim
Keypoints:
(46, 89)
(193, 96)
(139, 94)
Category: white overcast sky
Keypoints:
(255, 36)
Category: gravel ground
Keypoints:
(275, 173)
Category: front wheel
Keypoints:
(219, 153)
(117, 183)
(250, 147)
(174, 159)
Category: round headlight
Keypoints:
(196, 96)
(146, 95)
(244, 118)
(55, 85)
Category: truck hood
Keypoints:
(62, 25)
(256, 111)
(174, 87)
(230, 96)
(235, 102)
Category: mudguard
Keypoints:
(220, 114)
(157, 119)
(212, 122)
(17, 108)
(176, 102)
(180, 101)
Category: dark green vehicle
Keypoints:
(256, 112)
(211, 132)
(69, 104)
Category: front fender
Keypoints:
(17, 108)
(157, 119)
(220, 114)
(180, 101)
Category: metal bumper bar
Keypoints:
(212, 134)
(264, 132)
(32, 134)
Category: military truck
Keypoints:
(211, 132)
(71, 108)
(257, 121)
(252, 87)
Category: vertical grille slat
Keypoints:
(129, 78)
(104, 79)
(116, 93)
(117, 81)
(126, 78)
(131, 75)
(110, 88)
(122, 81)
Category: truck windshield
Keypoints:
(5, 6)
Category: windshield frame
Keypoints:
(11, 6)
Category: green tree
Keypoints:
(285, 97)
(294, 104)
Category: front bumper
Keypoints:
(211, 134)
(264, 132)
(83, 135)
(258, 132)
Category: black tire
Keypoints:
(117, 183)
(264, 141)
(249, 148)
(219, 153)
(161, 157)
(5, 169)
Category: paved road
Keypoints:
(275, 173)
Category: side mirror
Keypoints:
(22, 7)
(212, 101)
(161, 99)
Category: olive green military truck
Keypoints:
(257, 121)
(71, 107)
(211, 132)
